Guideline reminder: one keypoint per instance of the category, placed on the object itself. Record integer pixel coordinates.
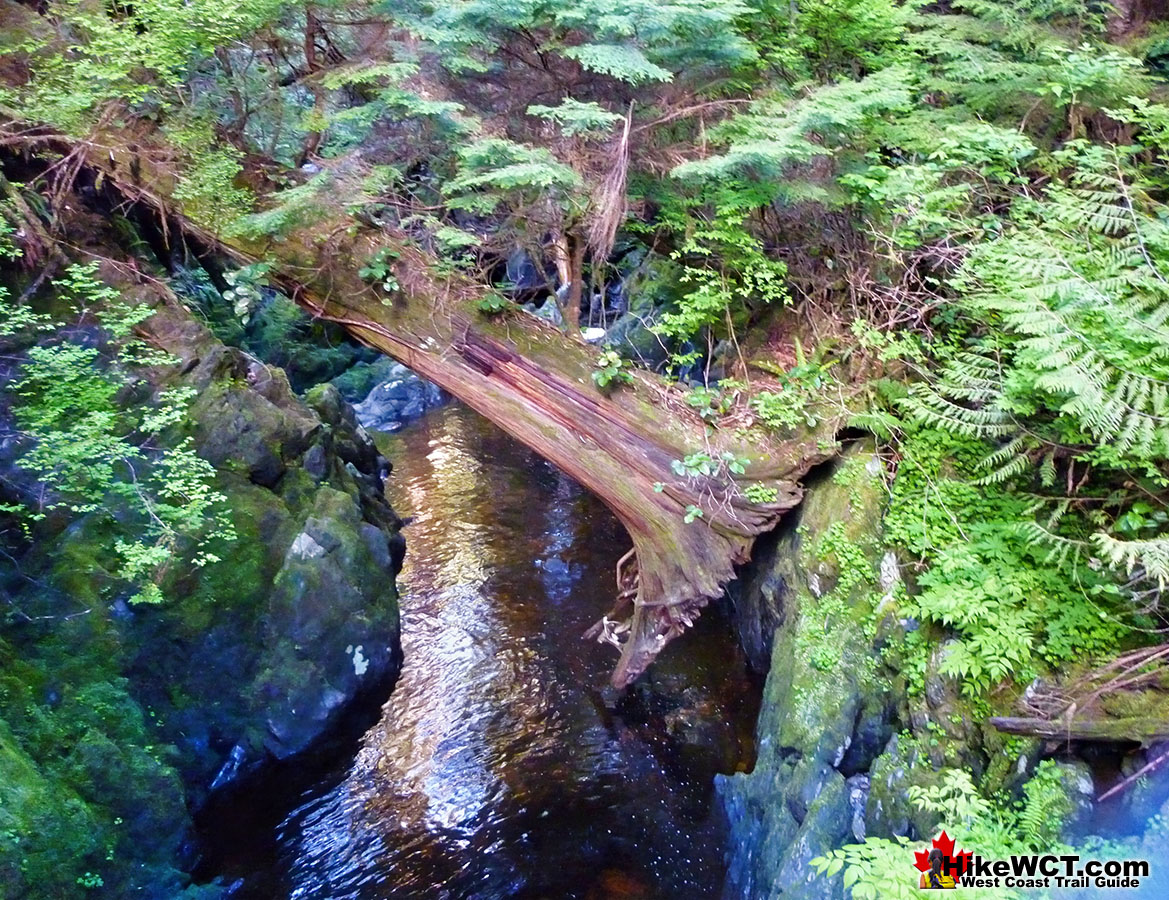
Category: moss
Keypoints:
(128, 783)
(48, 835)
(241, 582)
(1148, 704)
(834, 628)
(107, 710)
(81, 787)
(903, 765)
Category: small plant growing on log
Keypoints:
(710, 402)
(493, 304)
(692, 512)
(783, 410)
(701, 463)
(759, 493)
(380, 269)
(611, 370)
(245, 293)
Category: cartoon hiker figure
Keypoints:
(935, 878)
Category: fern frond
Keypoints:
(1149, 558)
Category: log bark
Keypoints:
(1142, 730)
(534, 383)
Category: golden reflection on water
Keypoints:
(494, 761)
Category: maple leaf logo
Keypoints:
(944, 843)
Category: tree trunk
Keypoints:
(535, 383)
(575, 283)
(312, 141)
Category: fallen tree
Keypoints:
(689, 525)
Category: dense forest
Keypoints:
(692, 253)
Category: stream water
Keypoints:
(501, 766)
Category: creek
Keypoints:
(501, 765)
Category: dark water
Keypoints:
(501, 766)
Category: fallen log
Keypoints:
(1142, 730)
(526, 376)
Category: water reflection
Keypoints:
(497, 770)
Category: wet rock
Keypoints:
(888, 811)
(401, 398)
(331, 625)
(549, 309)
(246, 416)
(1080, 790)
(558, 575)
(650, 290)
(827, 710)
(858, 798)
(355, 383)
(316, 462)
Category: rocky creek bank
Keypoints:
(118, 720)
(841, 738)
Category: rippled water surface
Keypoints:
(502, 766)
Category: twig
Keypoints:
(1143, 770)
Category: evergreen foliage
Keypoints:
(978, 187)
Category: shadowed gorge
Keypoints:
(498, 750)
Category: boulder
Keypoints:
(331, 625)
(401, 398)
(255, 658)
(301, 617)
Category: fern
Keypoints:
(621, 61)
(1148, 558)
(1077, 362)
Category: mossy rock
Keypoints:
(331, 625)
(239, 429)
(114, 718)
(124, 779)
(48, 835)
(888, 810)
(827, 708)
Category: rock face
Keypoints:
(840, 738)
(305, 618)
(810, 599)
(117, 720)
